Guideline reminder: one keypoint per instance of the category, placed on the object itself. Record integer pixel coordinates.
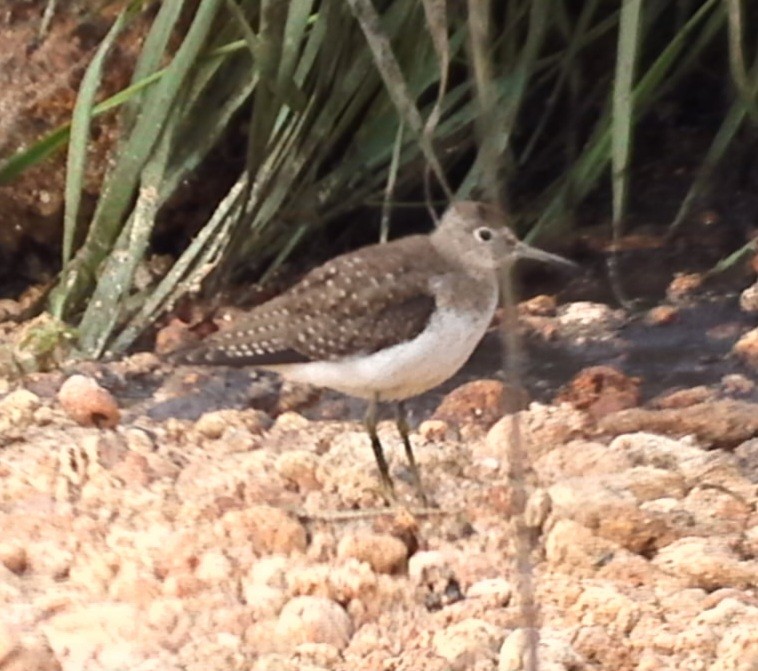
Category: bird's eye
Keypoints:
(483, 234)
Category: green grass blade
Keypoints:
(152, 53)
(388, 67)
(622, 126)
(79, 135)
(77, 277)
(716, 152)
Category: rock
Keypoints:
(540, 429)
(479, 404)
(709, 563)
(493, 590)
(683, 398)
(268, 529)
(746, 348)
(299, 467)
(87, 403)
(436, 430)
(571, 546)
(435, 580)
(218, 423)
(214, 567)
(735, 384)
(8, 643)
(749, 299)
(724, 423)
(683, 286)
(538, 507)
(662, 315)
(600, 391)
(468, 641)
(582, 321)
(17, 411)
(384, 553)
(265, 602)
(313, 619)
(422, 566)
(605, 505)
(541, 306)
(554, 650)
(89, 630)
(13, 556)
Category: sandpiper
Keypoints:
(384, 323)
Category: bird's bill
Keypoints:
(524, 251)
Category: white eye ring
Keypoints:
(483, 234)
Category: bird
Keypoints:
(385, 322)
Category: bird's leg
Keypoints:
(370, 421)
(402, 427)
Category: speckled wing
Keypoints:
(355, 304)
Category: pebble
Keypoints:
(383, 552)
(468, 640)
(267, 529)
(299, 467)
(746, 348)
(313, 619)
(87, 403)
(13, 557)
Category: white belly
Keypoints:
(403, 370)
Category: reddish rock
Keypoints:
(683, 398)
(662, 315)
(480, 403)
(13, 556)
(724, 423)
(87, 403)
(683, 285)
(266, 528)
(601, 390)
(384, 553)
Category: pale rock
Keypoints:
(554, 650)
(17, 408)
(467, 641)
(264, 602)
(312, 619)
(421, 564)
(538, 507)
(539, 429)
(8, 642)
(610, 511)
(602, 604)
(580, 458)
(709, 563)
(214, 567)
(299, 467)
(270, 570)
(570, 546)
(493, 590)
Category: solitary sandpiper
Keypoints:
(386, 322)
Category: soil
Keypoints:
(155, 518)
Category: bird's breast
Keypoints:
(408, 368)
